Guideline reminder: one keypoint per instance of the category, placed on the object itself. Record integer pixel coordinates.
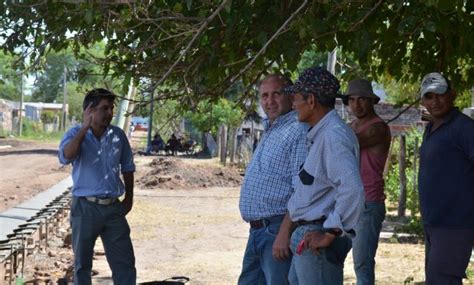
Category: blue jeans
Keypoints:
(364, 244)
(89, 221)
(259, 267)
(325, 268)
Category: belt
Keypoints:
(313, 222)
(101, 201)
(265, 222)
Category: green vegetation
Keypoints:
(35, 131)
(10, 77)
(204, 47)
(209, 116)
(392, 182)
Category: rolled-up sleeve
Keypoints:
(126, 159)
(68, 136)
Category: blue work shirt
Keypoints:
(270, 177)
(96, 169)
(329, 183)
(446, 177)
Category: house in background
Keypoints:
(33, 110)
(9, 114)
(8, 109)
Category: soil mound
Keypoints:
(176, 173)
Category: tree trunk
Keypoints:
(205, 149)
(402, 200)
(223, 143)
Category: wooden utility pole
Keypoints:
(402, 200)
(150, 123)
(414, 195)
(20, 111)
(65, 109)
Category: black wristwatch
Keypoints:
(336, 232)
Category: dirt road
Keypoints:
(26, 169)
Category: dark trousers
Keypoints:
(89, 221)
(447, 255)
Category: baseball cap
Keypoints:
(317, 81)
(434, 82)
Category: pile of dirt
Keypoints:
(49, 265)
(176, 173)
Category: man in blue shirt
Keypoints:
(329, 195)
(446, 184)
(98, 152)
(268, 185)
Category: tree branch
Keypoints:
(365, 16)
(263, 49)
(201, 29)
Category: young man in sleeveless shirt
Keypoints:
(373, 135)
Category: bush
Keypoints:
(392, 181)
(47, 117)
(34, 130)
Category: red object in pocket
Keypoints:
(300, 247)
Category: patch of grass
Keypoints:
(43, 136)
(34, 131)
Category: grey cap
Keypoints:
(434, 82)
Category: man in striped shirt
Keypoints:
(268, 185)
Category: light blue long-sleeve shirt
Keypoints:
(96, 168)
(329, 182)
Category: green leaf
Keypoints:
(178, 8)
(89, 16)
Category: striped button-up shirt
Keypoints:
(270, 176)
(96, 169)
(329, 183)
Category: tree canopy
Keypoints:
(201, 48)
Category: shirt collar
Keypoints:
(279, 120)
(449, 117)
(106, 132)
(321, 124)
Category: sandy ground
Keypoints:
(188, 231)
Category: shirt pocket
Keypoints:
(305, 177)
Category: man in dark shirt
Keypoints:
(446, 184)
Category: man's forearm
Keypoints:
(128, 182)
(286, 226)
(72, 148)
